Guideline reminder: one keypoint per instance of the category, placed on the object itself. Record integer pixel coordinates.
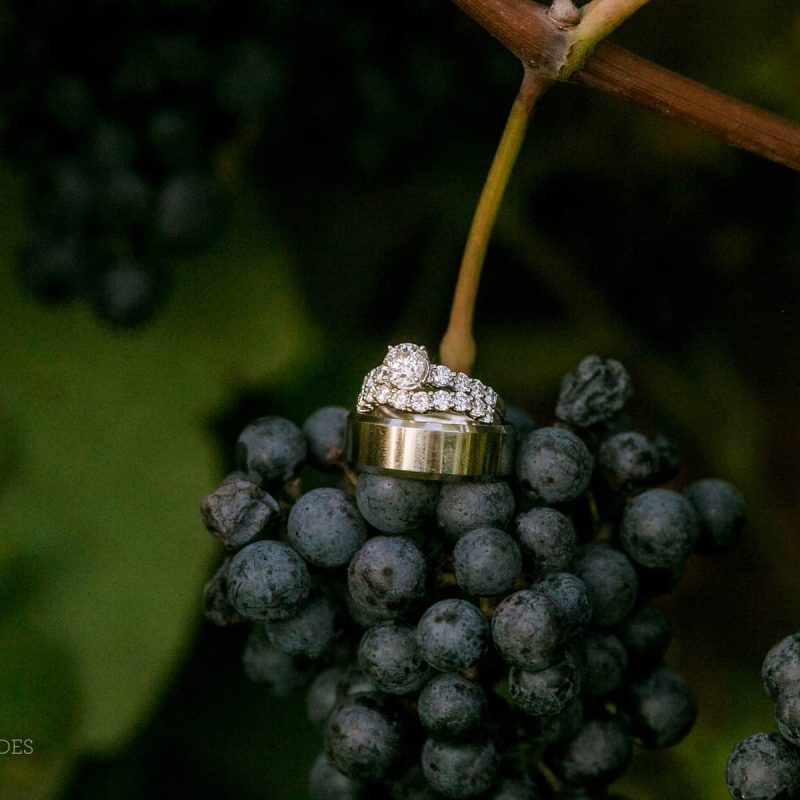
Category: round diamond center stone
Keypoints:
(408, 365)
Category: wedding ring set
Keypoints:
(417, 419)
(407, 381)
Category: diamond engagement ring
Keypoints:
(408, 381)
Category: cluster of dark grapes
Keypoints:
(117, 111)
(766, 766)
(470, 639)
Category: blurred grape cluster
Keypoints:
(130, 119)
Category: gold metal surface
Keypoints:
(428, 447)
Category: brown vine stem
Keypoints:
(457, 349)
(524, 27)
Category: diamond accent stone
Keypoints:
(382, 395)
(441, 375)
(490, 396)
(407, 365)
(401, 400)
(420, 402)
(442, 401)
(462, 401)
(479, 408)
(461, 382)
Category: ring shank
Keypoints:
(429, 449)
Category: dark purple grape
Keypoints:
(659, 529)
(309, 633)
(324, 694)
(395, 505)
(327, 783)
(781, 667)
(411, 785)
(389, 656)
(266, 665)
(520, 419)
(527, 630)
(547, 538)
(597, 390)
(466, 506)
(519, 788)
(126, 293)
(557, 728)
(570, 595)
(188, 212)
(452, 635)
(553, 465)
(217, 607)
(325, 430)
(387, 577)
(268, 580)
(720, 512)
(546, 691)
(611, 581)
(763, 767)
(645, 634)
(124, 202)
(787, 713)
(272, 447)
(661, 707)
(596, 756)
(325, 527)
(487, 562)
(364, 736)
(451, 706)
(629, 462)
(460, 769)
(238, 513)
(604, 660)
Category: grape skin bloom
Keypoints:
(487, 561)
(268, 579)
(325, 527)
(452, 635)
(395, 505)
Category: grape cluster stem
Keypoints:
(457, 349)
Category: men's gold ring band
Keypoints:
(426, 448)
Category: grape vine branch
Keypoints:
(526, 29)
(564, 43)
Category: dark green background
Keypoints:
(623, 234)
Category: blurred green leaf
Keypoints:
(38, 705)
(111, 460)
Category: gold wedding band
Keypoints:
(429, 448)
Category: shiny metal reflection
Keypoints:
(426, 447)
